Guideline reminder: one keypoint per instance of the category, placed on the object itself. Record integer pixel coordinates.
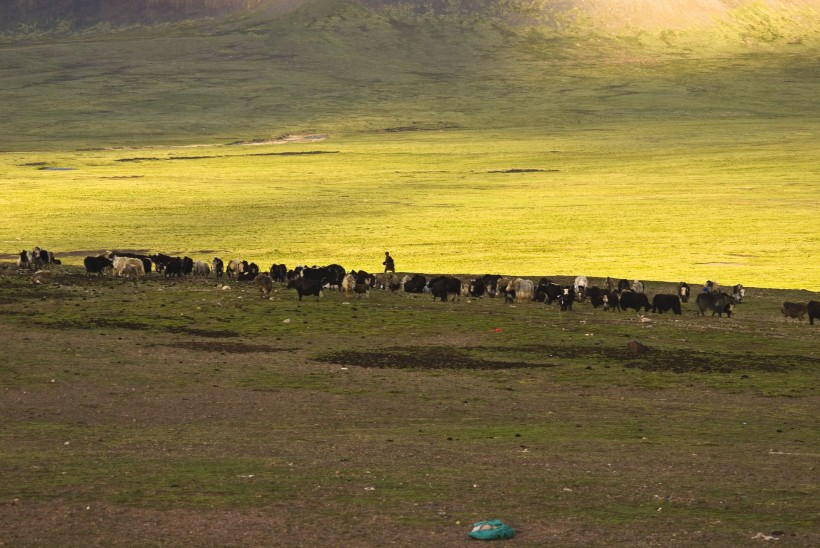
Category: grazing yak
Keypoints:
(580, 285)
(234, 268)
(265, 284)
(612, 301)
(388, 280)
(443, 286)
(120, 263)
(547, 292)
(187, 266)
(362, 289)
(663, 302)
(490, 282)
(160, 261)
(306, 287)
(477, 288)
(173, 267)
(97, 265)
(794, 310)
(381, 280)
(634, 300)
(501, 288)
(599, 297)
(566, 298)
(414, 284)
(147, 262)
(683, 292)
(813, 308)
(393, 282)
(40, 258)
(520, 290)
(218, 267)
(25, 260)
(249, 272)
(738, 292)
(336, 274)
(331, 275)
(131, 272)
(201, 268)
(718, 303)
(349, 284)
(279, 272)
(364, 277)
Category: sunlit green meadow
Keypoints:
(649, 201)
(687, 154)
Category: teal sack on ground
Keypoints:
(491, 530)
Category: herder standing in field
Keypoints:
(389, 266)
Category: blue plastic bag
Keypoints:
(493, 529)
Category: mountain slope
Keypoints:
(337, 66)
(609, 15)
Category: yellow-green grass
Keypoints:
(669, 155)
(732, 200)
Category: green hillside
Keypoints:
(335, 66)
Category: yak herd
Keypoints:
(311, 281)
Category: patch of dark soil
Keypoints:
(203, 332)
(696, 362)
(228, 347)
(674, 361)
(402, 129)
(421, 358)
(93, 323)
(119, 324)
(140, 159)
(82, 253)
(132, 251)
(294, 153)
(542, 356)
(524, 170)
(33, 164)
(285, 153)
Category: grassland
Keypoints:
(173, 412)
(170, 412)
(447, 202)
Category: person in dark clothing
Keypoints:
(389, 266)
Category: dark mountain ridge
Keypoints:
(603, 14)
(84, 13)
